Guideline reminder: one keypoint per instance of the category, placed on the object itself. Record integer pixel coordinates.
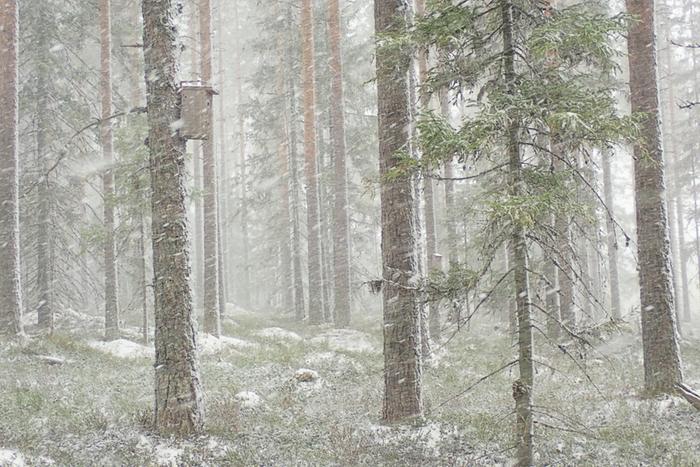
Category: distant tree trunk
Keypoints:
(662, 363)
(552, 303)
(110, 260)
(428, 194)
(287, 269)
(245, 286)
(341, 237)
(299, 302)
(179, 406)
(198, 254)
(212, 319)
(562, 227)
(402, 347)
(10, 281)
(453, 257)
(523, 387)
(313, 220)
(136, 71)
(44, 239)
(222, 178)
(675, 193)
(611, 238)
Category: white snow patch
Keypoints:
(279, 334)
(123, 348)
(346, 340)
(9, 458)
(167, 456)
(248, 399)
(209, 344)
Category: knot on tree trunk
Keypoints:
(520, 390)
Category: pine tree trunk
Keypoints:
(428, 195)
(44, 240)
(312, 215)
(402, 347)
(245, 286)
(179, 406)
(452, 255)
(611, 238)
(110, 260)
(286, 234)
(222, 177)
(299, 301)
(662, 363)
(675, 193)
(341, 237)
(212, 319)
(10, 281)
(198, 253)
(552, 304)
(523, 387)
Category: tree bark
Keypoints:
(179, 406)
(212, 319)
(523, 387)
(611, 238)
(312, 217)
(662, 362)
(198, 227)
(10, 281)
(299, 301)
(110, 260)
(402, 347)
(341, 237)
(428, 194)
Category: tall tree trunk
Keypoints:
(451, 231)
(675, 192)
(402, 347)
(245, 286)
(428, 194)
(611, 238)
(299, 302)
(136, 68)
(341, 237)
(179, 406)
(10, 282)
(287, 269)
(44, 240)
(312, 217)
(110, 260)
(198, 254)
(222, 177)
(662, 362)
(552, 302)
(212, 319)
(523, 387)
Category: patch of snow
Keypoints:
(167, 456)
(10, 458)
(123, 348)
(279, 334)
(209, 344)
(347, 340)
(248, 399)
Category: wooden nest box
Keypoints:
(197, 111)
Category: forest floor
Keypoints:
(90, 403)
